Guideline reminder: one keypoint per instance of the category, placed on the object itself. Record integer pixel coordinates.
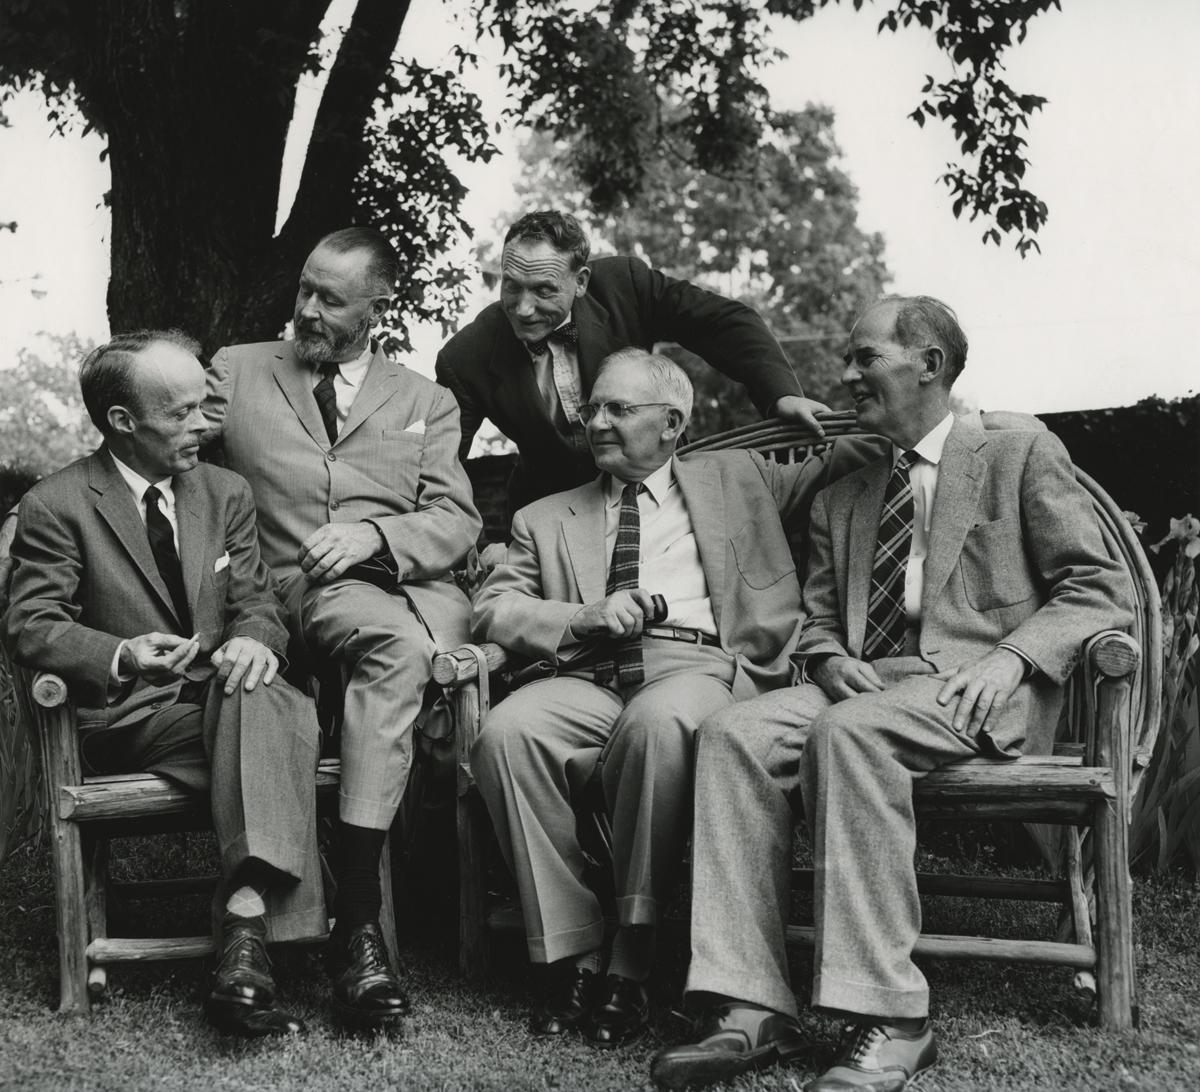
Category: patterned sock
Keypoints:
(589, 961)
(633, 952)
(246, 902)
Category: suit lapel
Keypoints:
(705, 500)
(591, 318)
(379, 384)
(583, 533)
(195, 529)
(118, 509)
(960, 478)
(295, 380)
(866, 507)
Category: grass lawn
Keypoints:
(1001, 1027)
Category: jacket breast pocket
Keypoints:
(762, 560)
(401, 454)
(404, 436)
(993, 565)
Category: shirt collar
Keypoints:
(352, 371)
(138, 485)
(656, 484)
(930, 446)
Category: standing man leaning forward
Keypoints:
(949, 588)
(575, 591)
(138, 579)
(528, 362)
(363, 510)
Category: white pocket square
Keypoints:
(418, 427)
(221, 563)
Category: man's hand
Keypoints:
(330, 550)
(621, 614)
(844, 676)
(803, 411)
(158, 657)
(984, 687)
(244, 658)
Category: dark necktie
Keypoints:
(327, 400)
(626, 657)
(886, 619)
(162, 545)
(567, 334)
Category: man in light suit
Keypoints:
(138, 578)
(529, 360)
(949, 587)
(363, 511)
(575, 591)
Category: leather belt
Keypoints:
(679, 633)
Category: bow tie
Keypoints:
(567, 333)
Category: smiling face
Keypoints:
(897, 391)
(159, 437)
(336, 306)
(637, 444)
(538, 287)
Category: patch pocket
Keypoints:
(760, 566)
(993, 565)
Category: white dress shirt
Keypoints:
(556, 372)
(669, 560)
(347, 381)
(923, 477)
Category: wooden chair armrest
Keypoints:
(452, 669)
(1111, 654)
(47, 690)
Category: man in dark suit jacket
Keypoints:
(950, 585)
(137, 577)
(528, 361)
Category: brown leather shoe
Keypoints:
(878, 1058)
(242, 1001)
(620, 1015)
(572, 995)
(366, 991)
(735, 1039)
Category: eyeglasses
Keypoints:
(614, 411)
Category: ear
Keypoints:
(582, 275)
(676, 422)
(121, 420)
(379, 306)
(933, 364)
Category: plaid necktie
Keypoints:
(326, 398)
(626, 658)
(162, 546)
(885, 609)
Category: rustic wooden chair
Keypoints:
(1086, 786)
(82, 816)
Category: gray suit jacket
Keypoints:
(84, 579)
(1015, 555)
(395, 463)
(735, 499)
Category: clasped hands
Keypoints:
(622, 614)
(978, 689)
(164, 657)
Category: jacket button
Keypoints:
(331, 457)
(334, 506)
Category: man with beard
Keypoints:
(363, 510)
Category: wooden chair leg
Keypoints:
(95, 878)
(472, 830)
(69, 896)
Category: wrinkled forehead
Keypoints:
(875, 326)
(534, 260)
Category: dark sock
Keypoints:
(633, 952)
(358, 895)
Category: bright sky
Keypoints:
(1097, 319)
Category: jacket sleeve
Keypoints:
(729, 335)
(510, 609)
(41, 627)
(252, 606)
(471, 414)
(217, 384)
(436, 536)
(823, 632)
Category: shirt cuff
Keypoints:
(1030, 666)
(117, 680)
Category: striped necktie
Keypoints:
(886, 619)
(326, 398)
(626, 657)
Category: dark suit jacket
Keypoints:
(1015, 555)
(84, 579)
(627, 304)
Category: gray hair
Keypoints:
(383, 264)
(924, 320)
(671, 382)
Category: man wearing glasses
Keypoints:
(624, 685)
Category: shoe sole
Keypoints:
(714, 1067)
(356, 1021)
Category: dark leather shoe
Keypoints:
(572, 994)
(878, 1058)
(366, 991)
(242, 1001)
(621, 1014)
(730, 1045)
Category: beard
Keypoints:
(314, 346)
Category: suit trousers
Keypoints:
(256, 755)
(849, 766)
(385, 654)
(644, 738)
